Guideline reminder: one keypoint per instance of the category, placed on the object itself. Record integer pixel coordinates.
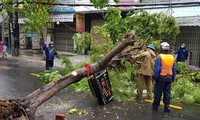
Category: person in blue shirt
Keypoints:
(163, 76)
(182, 53)
(4, 47)
(50, 55)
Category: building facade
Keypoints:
(65, 22)
(84, 18)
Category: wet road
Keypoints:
(15, 78)
(16, 81)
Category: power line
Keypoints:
(170, 8)
(117, 5)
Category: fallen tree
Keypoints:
(27, 106)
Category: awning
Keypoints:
(55, 18)
(179, 11)
(188, 21)
(88, 9)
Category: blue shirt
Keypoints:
(182, 54)
(49, 53)
(4, 48)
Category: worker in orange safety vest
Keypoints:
(163, 76)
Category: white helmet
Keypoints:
(165, 46)
(51, 43)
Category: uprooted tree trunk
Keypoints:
(28, 105)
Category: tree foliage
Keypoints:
(82, 40)
(150, 28)
(102, 3)
(155, 26)
(114, 24)
(36, 13)
(186, 87)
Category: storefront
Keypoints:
(63, 29)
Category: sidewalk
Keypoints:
(74, 58)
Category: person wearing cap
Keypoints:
(182, 53)
(146, 60)
(49, 54)
(163, 76)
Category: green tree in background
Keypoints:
(36, 13)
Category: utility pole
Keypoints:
(171, 14)
(170, 7)
(16, 31)
(11, 37)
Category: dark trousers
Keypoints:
(180, 60)
(49, 64)
(163, 85)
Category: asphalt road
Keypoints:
(16, 81)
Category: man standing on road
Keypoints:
(182, 53)
(49, 53)
(146, 60)
(164, 74)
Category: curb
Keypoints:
(38, 59)
(27, 58)
(75, 59)
(32, 57)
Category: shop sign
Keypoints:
(63, 18)
(63, 9)
(80, 22)
(100, 87)
(5, 27)
(22, 20)
(55, 18)
(22, 40)
(35, 41)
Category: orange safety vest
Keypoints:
(167, 62)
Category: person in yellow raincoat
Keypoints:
(146, 60)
